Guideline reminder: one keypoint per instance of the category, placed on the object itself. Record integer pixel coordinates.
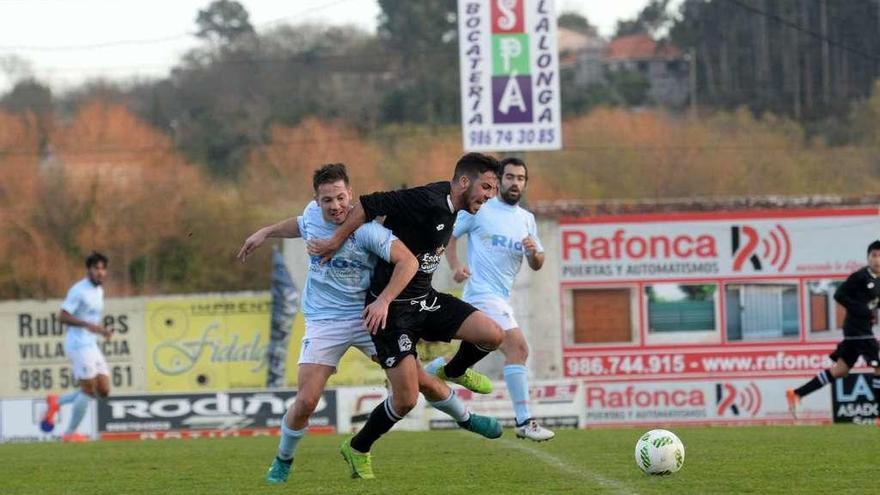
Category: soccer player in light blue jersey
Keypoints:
(82, 311)
(500, 235)
(333, 306)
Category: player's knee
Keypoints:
(404, 404)
(494, 338)
(304, 406)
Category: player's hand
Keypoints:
(376, 315)
(251, 244)
(530, 246)
(461, 274)
(325, 248)
(102, 331)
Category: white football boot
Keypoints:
(533, 431)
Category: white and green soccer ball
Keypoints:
(659, 452)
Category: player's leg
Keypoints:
(311, 380)
(88, 364)
(402, 373)
(323, 345)
(844, 360)
(516, 376)
(479, 334)
(444, 399)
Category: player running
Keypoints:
(859, 294)
(421, 217)
(333, 306)
(499, 236)
(82, 311)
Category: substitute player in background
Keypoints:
(81, 312)
(333, 306)
(500, 235)
(859, 294)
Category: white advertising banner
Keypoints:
(20, 421)
(755, 401)
(755, 244)
(356, 403)
(555, 404)
(509, 75)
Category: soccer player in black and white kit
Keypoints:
(859, 294)
(421, 217)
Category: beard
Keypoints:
(509, 198)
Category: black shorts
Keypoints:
(851, 349)
(435, 318)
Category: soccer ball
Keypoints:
(659, 452)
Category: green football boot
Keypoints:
(360, 464)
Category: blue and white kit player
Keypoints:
(335, 316)
(82, 311)
(500, 235)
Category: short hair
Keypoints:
(874, 246)
(475, 164)
(95, 258)
(516, 162)
(328, 174)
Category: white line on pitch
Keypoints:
(562, 465)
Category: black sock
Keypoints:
(380, 421)
(468, 355)
(820, 380)
(285, 461)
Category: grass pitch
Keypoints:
(760, 460)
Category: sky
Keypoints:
(66, 42)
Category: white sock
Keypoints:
(453, 406)
(289, 440)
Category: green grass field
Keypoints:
(761, 460)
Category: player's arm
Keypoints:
(69, 319)
(534, 257)
(532, 246)
(845, 295)
(460, 271)
(405, 267)
(326, 247)
(288, 229)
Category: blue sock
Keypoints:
(453, 406)
(80, 405)
(68, 397)
(289, 440)
(517, 378)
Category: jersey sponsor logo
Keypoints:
(503, 242)
(428, 262)
(404, 343)
(341, 263)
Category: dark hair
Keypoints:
(329, 174)
(475, 164)
(516, 162)
(95, 258)
(874, 246)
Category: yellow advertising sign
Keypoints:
(220, 342)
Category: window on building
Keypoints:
(824, 312)
(680, 307)
(602, 315)
(762, 311)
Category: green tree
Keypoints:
(224, 22)
(424, 34)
